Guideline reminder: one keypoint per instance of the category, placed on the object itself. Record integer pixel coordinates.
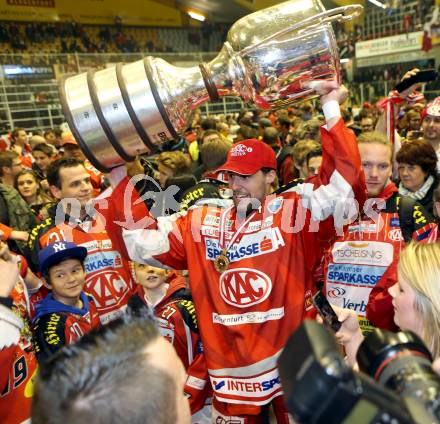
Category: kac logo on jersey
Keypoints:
(107, 288)
(243, 287)
(395, 234)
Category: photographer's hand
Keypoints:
(350, 334)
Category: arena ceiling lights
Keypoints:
(378, 4)
(196, 15)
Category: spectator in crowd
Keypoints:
(263, 123)
(208, 124)
(245, 132)
(16, 217)
(44, 154)
(72, 150)
(207, 127)
(367, 124)
(10, 166)
(66, 313)
(171, 164)
(108, 277)
(212, 185)
(165, 293)
(50, 137)
(310, 130)
(413, 119)
(417, 167)
(415, 298)
(398, 222)
(70, 147)
(29, 186)
(283, 127)
(35, 140)
(436, 199)
(128, 368)
(307, 111)
(20, 145)
(271, 137)
(314, 161)
(223, 129)
(431, 125)
(299, 155)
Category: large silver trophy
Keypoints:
(268, 59)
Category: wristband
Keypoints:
(331, 110)
(6, 301)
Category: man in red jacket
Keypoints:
(250, 261)
(361, 264)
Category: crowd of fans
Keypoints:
(70, 270)
(73, 37)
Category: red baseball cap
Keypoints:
(432, 109)
(249, 156)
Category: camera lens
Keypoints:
(402, 363)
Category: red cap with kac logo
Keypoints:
(249, 156)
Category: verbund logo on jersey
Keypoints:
(243, 287)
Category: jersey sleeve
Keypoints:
(379, 310)
(5, 232)
(49, 335)
(425, 230)
(197, 386)
(139, 236)
(340, 180)
(33, 244)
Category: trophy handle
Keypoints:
(339, 14)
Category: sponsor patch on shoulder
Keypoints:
(275, 205)
(394, 222)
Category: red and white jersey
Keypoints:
(108, 277)
(363, 261)
(58, 328)
(246, 313)
(18, 363)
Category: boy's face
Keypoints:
(150, 277)
(67, 279)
